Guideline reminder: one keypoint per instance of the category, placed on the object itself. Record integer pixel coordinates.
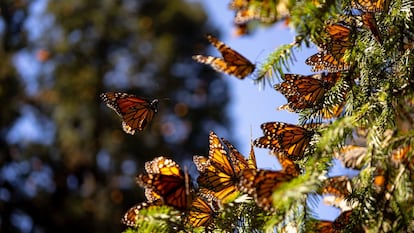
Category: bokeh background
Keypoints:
(65, 163)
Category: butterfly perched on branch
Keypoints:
(203, 209)
(132, 216)
(292, 140)
(261, 184)
(332, 51)
(305, 91)
(232, 62)
(136, 112)
(341, 223)
(219, 172)
(371, 5)
(165, 178)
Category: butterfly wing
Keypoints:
(170, 183)
(135, 112)
(203, 209)
(232, 62)
(131, 217)
(371, 5)
(287, 138)
(261, 184)
(217, 173)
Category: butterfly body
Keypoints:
(136, 112)
(232, 63)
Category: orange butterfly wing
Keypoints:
(171, 183)
(218, 173)
(287, 138)
(131, 217)
(135, 112)
(261, 184)
(203, 209)
(371, 5)
(232, 62)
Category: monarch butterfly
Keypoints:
(352, 156)
(238, 159)
(337, 226)
(369, 21)
(288, 166)
(232, 62)
(203, 209)
(326, 61)
(261, 184)
(219, 172)
(335, 190)
(292, 140)
(131, 217)
(171, 184)
(305, 91)
(371, 5)
(339, 186)
(331, 58)
(136, 112)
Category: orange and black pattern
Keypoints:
(341, 223)
(305, 91)
(292, 140)
(261, 184)
(203, 210)
(371, 5)
(288, 166)
(132, 216)
(331, 57)
(339, 186)
(232, 62)
(219, 172)
(168, 181)
(136, 112)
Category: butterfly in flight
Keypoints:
(219, 172)
(136, 112)
(232, 62)
(292, 140)
(261, 184)
(165, 178)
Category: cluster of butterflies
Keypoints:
(224, 175)
(339, 36)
